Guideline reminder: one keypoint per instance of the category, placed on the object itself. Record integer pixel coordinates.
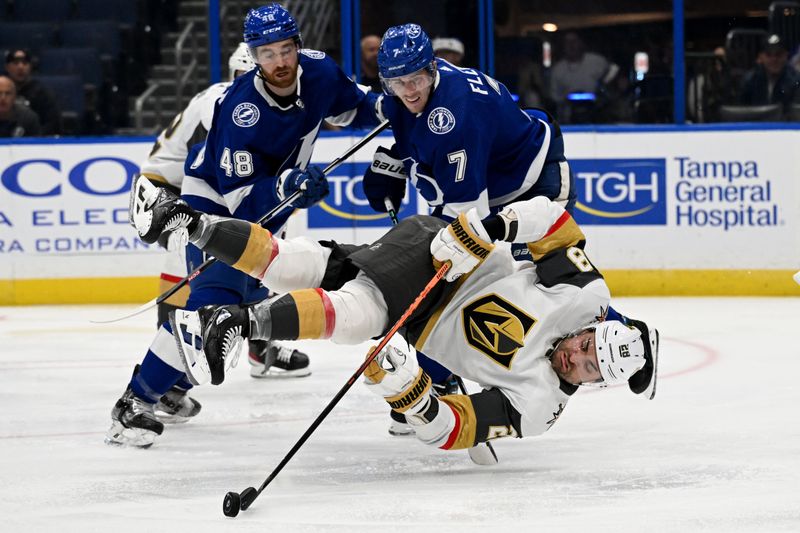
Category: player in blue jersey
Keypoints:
(460, 137)
(256, 154)
(462, 141)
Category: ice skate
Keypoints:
(270, 359)
(155, 210)
(133, 422)
(176, 406)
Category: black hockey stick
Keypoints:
(261, 221)
(476, 454)
(234, 501)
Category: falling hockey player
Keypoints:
(529, 333)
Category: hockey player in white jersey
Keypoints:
(529, 332)
(256, 153)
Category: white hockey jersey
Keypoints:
(501, 323)
(166, 159)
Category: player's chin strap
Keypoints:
(261, 221)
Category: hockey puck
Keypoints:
(230, 506)
(248, 497)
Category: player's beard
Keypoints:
(281, 82)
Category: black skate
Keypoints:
(133, 422)
(155, 210)
(224, 328)
(176, 406)
(269, 359)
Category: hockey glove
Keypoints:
(386, 178)
(529, 220)
(155, 210)
(311, 181)
(464, 244)
(398, 379)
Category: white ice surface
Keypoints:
(718, 450)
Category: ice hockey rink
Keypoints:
(718, 450)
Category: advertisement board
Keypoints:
(671, 211)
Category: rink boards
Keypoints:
(666, 210)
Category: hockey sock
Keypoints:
(243, 245)
(303, 314)
(154, 379)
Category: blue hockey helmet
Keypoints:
(404, 50)
(269, 24)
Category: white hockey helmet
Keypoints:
(240, 60)
(627, 353)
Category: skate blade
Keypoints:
(119, 435)
(280, 374)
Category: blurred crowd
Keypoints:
(565, 73)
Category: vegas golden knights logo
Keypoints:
(496, 327)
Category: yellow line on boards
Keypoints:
(621, 282)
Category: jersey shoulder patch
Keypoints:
(568, 265)
(441, 121)
(245, 115)
(313, 54)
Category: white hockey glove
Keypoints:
(529, 220)
(397, 378)
(464, 244)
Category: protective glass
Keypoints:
(418, 81)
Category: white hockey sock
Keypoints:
(300, 264)
(360, 310)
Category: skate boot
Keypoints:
(269, 359)
(176, 406)
(398, 425)
(133, 422)
(155, 210)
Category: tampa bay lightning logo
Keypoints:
(245, 115)
(441, 121)
(413, 31)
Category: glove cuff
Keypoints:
(412, 395)
(468, 230)
(383, 163)
(280, 183)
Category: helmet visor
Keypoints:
(273, 53)
(402, 85)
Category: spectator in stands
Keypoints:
(772, 80)
(450, 49)
(577, 79)
(16, 120)
(31, 92)
(710, 88)
(369, 62)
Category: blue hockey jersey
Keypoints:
(253, 139)
(472, 146)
